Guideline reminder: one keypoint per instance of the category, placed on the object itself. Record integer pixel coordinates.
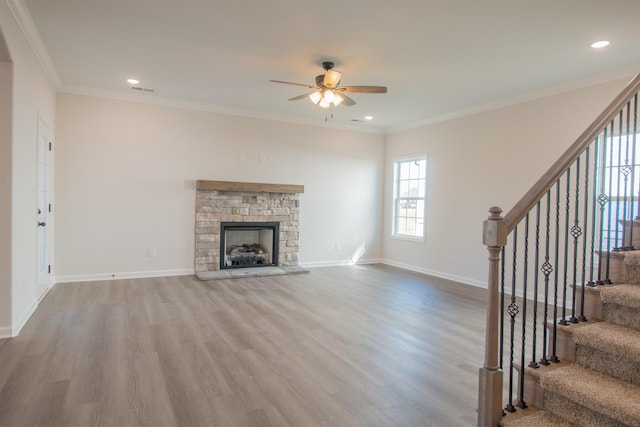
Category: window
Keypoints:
(410, 188)
(618, 182)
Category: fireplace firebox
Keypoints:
(249, 244)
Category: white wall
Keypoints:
(126, 173)
(479, 161)
(6, 83)
(33, 97)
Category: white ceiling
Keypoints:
(438, 58)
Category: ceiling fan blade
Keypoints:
(295, 84)
(299, 97)
(364, 89)
(346, 101)
(332, 78)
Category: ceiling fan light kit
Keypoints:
(327, 91)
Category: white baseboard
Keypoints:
(5, 332)
(339, 263)
(24, 319)
(435, 273)
(73, 278)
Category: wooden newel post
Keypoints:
(490, 384)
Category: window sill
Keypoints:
(420, 239)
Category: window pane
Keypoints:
(410, 194)
(404, 171)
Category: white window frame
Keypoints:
(420, 200)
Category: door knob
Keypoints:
(41, 224)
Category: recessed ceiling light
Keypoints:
(368, 117)
(133, 81)
(600, 44)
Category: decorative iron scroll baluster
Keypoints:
(596, 151)
(554, 338)
(632, 191)
(608, 235)
(626, 170)
(547, 269)
(513, 310)
(533, 363)
(617, 247)
(635, 133)
(576, 232)
(585, 222)
(565, 271)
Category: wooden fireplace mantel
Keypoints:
(254, 187)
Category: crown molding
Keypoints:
(152, 99)
(21, 13)
(601, 78)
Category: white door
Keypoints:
(44, 154)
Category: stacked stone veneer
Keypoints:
(214, 206)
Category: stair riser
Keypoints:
(593, 307)
(614, 365)
(575, 413)
(622, 315)
(617, 269)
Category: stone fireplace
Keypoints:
(263, 220)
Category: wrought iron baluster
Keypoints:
(607, 279)
(576, 232)
(585, 222)
(534, 364)
(596, 151)
(563, 320)
(554, 341)
(603, 200)
(513, 310)
(525, 267)
(626, 169)
(618, 246)
(547, 269)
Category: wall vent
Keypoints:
(142, 89)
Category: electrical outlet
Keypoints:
(337, 246)
(152, 252)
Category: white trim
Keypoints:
(608, 76)
(339, 263)
(149, 99)
(21, 13)
(5, 332)
(72, 278)
(25, 318)
(435, 273)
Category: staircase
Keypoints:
(562, 343)
(601, 384)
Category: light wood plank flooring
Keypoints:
(341, 346)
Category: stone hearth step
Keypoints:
(236, 273)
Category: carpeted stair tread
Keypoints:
(539, 419)
(624, 295)
(610, 338)
(615, 399)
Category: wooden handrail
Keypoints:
(526, 203)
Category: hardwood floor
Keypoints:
(341, 346)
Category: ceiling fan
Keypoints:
(328, 92)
